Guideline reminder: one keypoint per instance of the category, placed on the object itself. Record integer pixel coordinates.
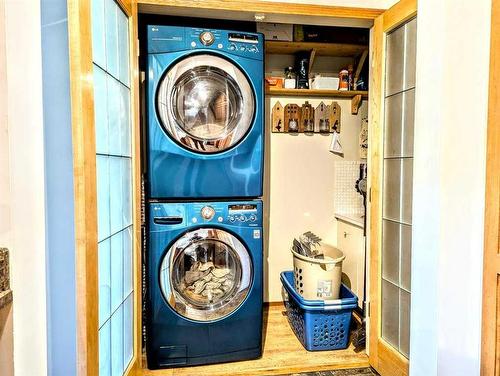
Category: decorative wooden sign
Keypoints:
(292, 118)
(307, 118)
(321, 118)
(278, 118)
(334, 117)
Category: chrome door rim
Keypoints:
(167, 88)
(177, 299)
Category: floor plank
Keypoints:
(283, 354)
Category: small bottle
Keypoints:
(289, 78)
(344, 80)
(302, 74)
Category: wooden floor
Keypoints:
(283, 354)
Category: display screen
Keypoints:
(244, 38)
(242, 207)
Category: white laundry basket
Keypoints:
(318, 279)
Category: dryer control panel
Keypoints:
(245, 214)
(163, 39)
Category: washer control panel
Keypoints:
(175, 38)
(237, 214)
(239, 43)
(241, 214)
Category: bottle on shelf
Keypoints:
(344, 80)
(302, 72)
(289, 81)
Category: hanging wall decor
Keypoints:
(278, 118)
(307, 118)
(335, 117)
(304, 118)
(321, 118)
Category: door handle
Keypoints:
(172, 220)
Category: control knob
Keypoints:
(207, 38)
(207, 212)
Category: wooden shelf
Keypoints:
(314, 93)
(321, 49)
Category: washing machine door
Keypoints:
(206, 274)
(205, 103)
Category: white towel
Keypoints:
(336, 146)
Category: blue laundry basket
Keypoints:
(319, 325)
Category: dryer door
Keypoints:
(206, 274)
(205, 103)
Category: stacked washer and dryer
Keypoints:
(204, 180)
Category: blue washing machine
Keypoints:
(205, 295)
(205, 113)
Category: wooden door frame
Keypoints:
(85, 192)
(251, 7)
(382, 356)
(82, 104)
(212, 8)
(491, 264)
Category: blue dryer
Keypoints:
(205, 295)
(205, 113)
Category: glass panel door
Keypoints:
(110, 54)
(397, 186)
(206, 274)
(205, 103)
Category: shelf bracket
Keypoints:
(312, 55)
(361, 63)
(356, 103)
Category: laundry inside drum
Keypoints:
(207, 274)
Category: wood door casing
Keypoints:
(490, 357)
(383, 357)
(83, 130)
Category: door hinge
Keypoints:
(370, 194)
(143, 202)
(143, 258)
(144, 285)
(367, 308)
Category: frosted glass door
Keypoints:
(397, 186)
(110, 53)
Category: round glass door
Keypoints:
(205, 103)
(206, 274)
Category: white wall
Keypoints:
(27, 199)
(6, 326)
(4, 140)
(449, 178)
(299, 186)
